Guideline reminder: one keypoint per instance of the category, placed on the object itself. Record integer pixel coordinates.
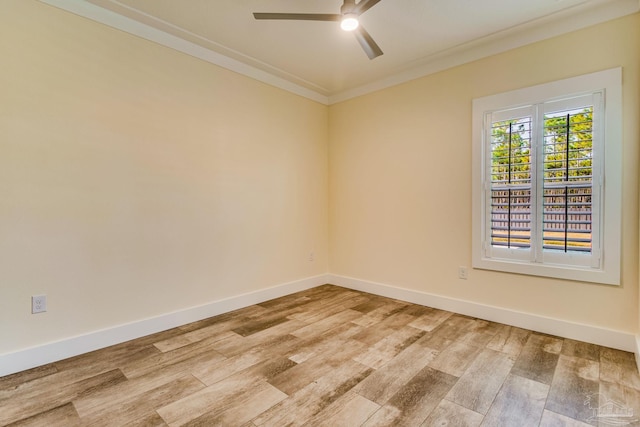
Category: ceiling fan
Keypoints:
(348, 18)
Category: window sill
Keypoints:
(580, 274)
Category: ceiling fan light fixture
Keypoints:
(349, 22)
(350, 11)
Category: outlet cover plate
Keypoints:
(38, 304)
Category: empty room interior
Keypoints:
(211, 217)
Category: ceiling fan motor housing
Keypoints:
(348, 18)
(348, 7)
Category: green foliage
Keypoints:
(568, 138)
(511, 151)
(511, 148)
(567, 160)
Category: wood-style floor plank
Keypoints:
(241, 409)
(310, 370)
(62, 416)
(581, 349)
(390, 378)
(142, 407)
(478, 386)
(350, 409)
(233, 345)
(12, 382)
(324, 343)
(379, 313)
(520, 402)
(481, 333)
(372, 303)
(216, 370)
(30, 401)
(378, 331)
(575, 379)
(175, 361)
(318, 328)
(449, 331)
(620, 396)
(221, 330)
(538, 359)
(451, 415)
(431, 320)
(455, 358)
(330, 356)
(388, 347)
(213, 401)
(307, 402)
(618, 367)
(509, 340)
(551, 419)
(324, 308)
(413, 403)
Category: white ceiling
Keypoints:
(322, 62)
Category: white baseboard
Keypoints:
(593, 334)
(51, 352)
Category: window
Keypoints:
(547, 179)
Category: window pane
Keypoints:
(511, 183)
(568, 181)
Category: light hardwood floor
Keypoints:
(331, 356)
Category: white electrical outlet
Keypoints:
(311, 256)
(38, 304)
(463, 273)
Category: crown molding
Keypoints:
(104, 16)
(568, 20)
(563, 22)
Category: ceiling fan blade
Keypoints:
(366, 41)
(300, 16)
(365, 5)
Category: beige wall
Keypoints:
(400, 182)
(137, 181)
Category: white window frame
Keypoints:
(604, 265)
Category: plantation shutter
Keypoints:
(540, 154)
(541, 189)
(570, 178)
(511, 190)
